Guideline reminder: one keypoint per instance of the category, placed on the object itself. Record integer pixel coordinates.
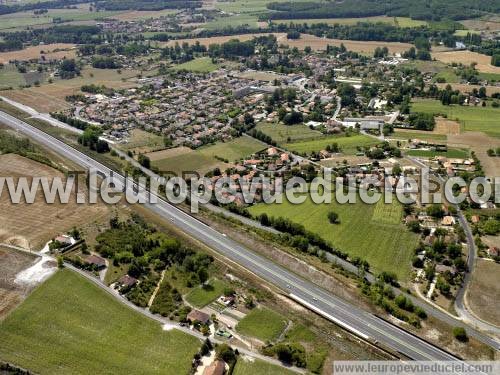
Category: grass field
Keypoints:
(394, 21)
(485, 119)
(451, 153)
(373, 232)
(232, 21)
(247, 366)
(262, 323)
(347, 144)
(10, 77)
(203, 159)
(200, 297)
(283, 133)
(423, 135)
(70, 326)
(484, 291)
(199, 65)
(142, 141)
(55, 51)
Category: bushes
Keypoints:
(460, 334)
(333, 217)
(166, 301)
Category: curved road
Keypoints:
(350, 317)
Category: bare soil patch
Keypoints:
(55, 51)
(479, 143)
(32, 225)
(467, 58)
(445, 126)
(11, 263)
(484, 291)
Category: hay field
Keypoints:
(484, 292)
(11, 263)
(316, 43)
(467, 58)
(445, 126)
(34, 52)
(51, 97)
(32, 225)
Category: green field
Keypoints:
(143, 140)
(394, 21)
(203, 159)
(283, 133)
(348, 145)
(232, 21)
(199, 65)
(485, 119)
(424, 135)
(372, 232)
(10, 77)
(448, 74)
(70, 326)
(252, 366)
(451, 153)
(262, 323)
(200, 296)
(489, 76)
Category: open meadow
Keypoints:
(485, 119)
(202, 296)
(372, 232)
(32, 225)
(316, 43)
(51, 97)
(284, 133)
(68, 325)
(348, 145)
(467, 58)
(262, 323)
(205, 158)
(199, 65)
(251, 366)
(394, 21)
(484, 291)
(56, 51)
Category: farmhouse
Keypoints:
(198, 316)
(96, 261)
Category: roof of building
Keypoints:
(95, 259)
(198, 315)
(216, 368)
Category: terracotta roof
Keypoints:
(216, 368)
(199, 316)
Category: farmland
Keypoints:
(484, 291)
(202, 296)
(283, 133)
(467, 58)
(203, 159)
(11, 294)
(51, 97)
(50, 51)
(451, 153)
(424, 135)
(316, 43)
(348, 145)
(379, 236)
(262, 323)
(485, 119)
(250, 366)
(32, 225)
(200, 65)
(96, 331)
(394, 21)
(141, 141)
(10, 77)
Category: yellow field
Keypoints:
(316, 43)
(467, 58)
(64, 50)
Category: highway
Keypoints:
(350, 317)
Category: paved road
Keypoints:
(460, 305)
(350, 317)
